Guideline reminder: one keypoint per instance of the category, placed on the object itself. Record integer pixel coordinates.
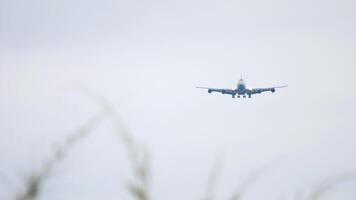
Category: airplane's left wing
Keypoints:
(260, 90)
(219, 90)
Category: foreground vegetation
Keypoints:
(139, 160)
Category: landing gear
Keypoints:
(233, 96)
(249, 95)
(238, 96)
(244, 96)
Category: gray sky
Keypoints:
(146, 57)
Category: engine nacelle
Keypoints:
(273, 90)
(210, 91)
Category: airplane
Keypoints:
(241, 89)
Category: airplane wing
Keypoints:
(260, 90)
(222, 91)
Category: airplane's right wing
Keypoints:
(222, 91)
(260, 90)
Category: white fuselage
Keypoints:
(241, 87)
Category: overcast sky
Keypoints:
(146, 57)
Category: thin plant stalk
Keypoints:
(35, 180)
